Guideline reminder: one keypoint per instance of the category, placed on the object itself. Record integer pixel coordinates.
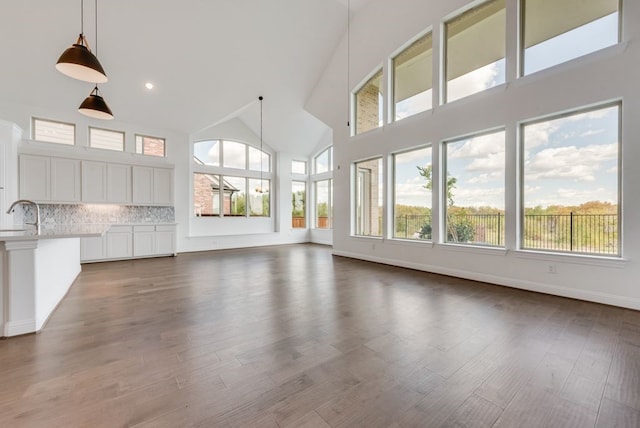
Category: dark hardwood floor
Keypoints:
(293, 337)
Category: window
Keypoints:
(324, 204)
(571, 182)
(473, 190)
(475, 50)
(150, 146)
(412, 78)
(54, 132)
(368, 104)
(368, 197)
(221, 188)
(207, 152)
(105, 139)
(298, 167)
(558, 31)
(298, 204)
(235, 155)
(412, 194)
(324, 161)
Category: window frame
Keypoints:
(92, 128)
(354, 102)
(228, 172)
(34, 120)
(522, 184)
(355, 196)
(143, 136)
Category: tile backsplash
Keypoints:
(96, 214)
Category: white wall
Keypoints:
(606, 75)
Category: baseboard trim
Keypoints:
(18, 328)
(573, 293)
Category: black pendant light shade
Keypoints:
(80, 63)
(95, 106)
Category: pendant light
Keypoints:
(94, 105)
(78, 61)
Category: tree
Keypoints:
(460, 230)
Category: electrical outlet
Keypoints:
(551, 268)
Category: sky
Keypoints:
(567, 161)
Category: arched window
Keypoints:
(231, 179)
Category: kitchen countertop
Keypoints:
(53, 231)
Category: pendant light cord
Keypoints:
(348, 63)
(82, 17)
(96, 28)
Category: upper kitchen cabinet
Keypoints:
(106, 182)
(47, 179)
(152, 186)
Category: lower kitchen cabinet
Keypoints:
(126, 242)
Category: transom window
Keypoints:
(368, 104)
(324, 161)
(51, 131)
(475, 50)
(150, 146)
(231, 154)
(558, 31)
(412, 78)
(106, 139)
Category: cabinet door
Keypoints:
(142, 185)
(165, 240)
(143, 240)
(119, 243)
(162, 186)
(118, 183)
(93, 248)
(65, 180)
(94, 181)
(35, 177)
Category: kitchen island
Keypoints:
(37, 268)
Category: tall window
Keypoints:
(150, 146)
(475, 50)
(106, 139)
(571, 182)
(412, 194)
(558, 31)
(473, 190)
(369, 188)
(323, 189)
(54, 132)
(298, 167)
(231, 179)
(324, 204)
(368, 104)
(298, 204)
(412, 78)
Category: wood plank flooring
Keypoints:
(292, 336)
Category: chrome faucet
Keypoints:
(36, 208)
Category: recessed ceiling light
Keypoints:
(148, 85)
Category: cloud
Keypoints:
(415, 157)
(537, 134)
(487, 177)
(412, 192)
(478, 147)
(493, 162)
(572, 196)
(569, 162)
(415, 104)
(475, 81)
(591, 132)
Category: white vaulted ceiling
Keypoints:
(208, 60)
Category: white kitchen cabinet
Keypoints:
(65, 180)
(162, 186)
(144, 240)
(93, 248)
(165, 239)
(118, 183)
(35, 177)
(152, 186)
(142, 177)
(120, 242)
(94, 181)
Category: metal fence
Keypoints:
(577, 233)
